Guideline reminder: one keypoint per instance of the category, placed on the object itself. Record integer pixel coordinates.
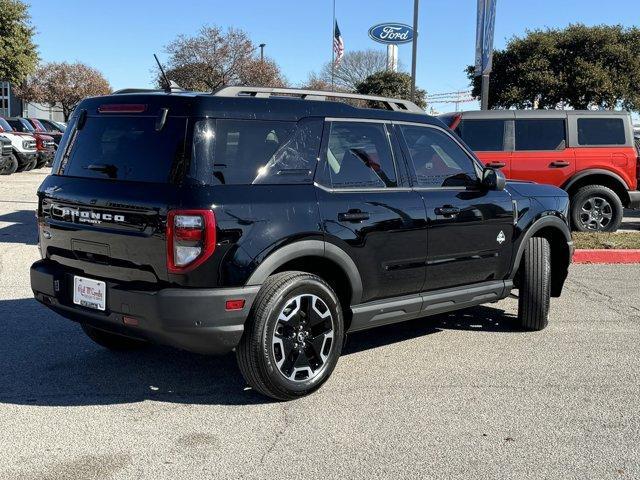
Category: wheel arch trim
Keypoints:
(594, 171)
(544, 222)
(305, 248)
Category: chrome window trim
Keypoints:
(361, 190)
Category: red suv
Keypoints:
(590, 154)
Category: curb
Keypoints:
(606, 256)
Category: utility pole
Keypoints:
(262, 45)
(414, 49)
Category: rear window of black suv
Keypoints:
(126, 148)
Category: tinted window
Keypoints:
(601, 131)
(540, 134)
(482, 135)
(359, 156)
(126, 148)
(5, 125)
(252, 152)
(438, 160)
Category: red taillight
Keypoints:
(191, 239)
(122, 108)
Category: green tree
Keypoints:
(577, 67)
(18, 53)
(391, 84)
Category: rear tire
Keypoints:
(112, 341)
(596, 208)
(11, 166)
(293, 336)
(535, 285)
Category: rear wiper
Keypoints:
(108, 169)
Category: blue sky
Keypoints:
(119, 37)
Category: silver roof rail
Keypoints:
(395, 104)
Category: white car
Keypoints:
(23, 145)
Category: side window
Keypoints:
(438, 160)
(359, 156)
(601, 131)
(540, 134)
(482, 135)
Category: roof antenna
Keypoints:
(168, 84)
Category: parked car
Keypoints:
(23, 145)
(273, 225)
(45, 146)
(40, 127)
(51, 125)
(8, 163)
(589, 154)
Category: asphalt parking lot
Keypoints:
(464, 395)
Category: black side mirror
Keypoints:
(493, 179)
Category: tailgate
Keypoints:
(106, 229)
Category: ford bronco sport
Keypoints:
(273, 222)
(590, 154)
(23, 147)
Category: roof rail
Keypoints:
(266, 92)
(135, 90)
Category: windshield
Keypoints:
(126, 148)
(4, 125)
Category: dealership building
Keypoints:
(13, 106)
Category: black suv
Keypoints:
(273, 222)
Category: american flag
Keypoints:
(338, 44)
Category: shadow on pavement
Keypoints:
(631, 220)
(22, 229)
(46, 360)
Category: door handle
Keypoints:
(447, 211)
(353, 216)
(559, 164)
(496, 164)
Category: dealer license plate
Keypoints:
(89, 293)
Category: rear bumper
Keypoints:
(191, 319)
(634, 199)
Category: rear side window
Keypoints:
(540, 134)
(601, 131)
(482, 135)
(359, 156)
(244, 152)
(438, 160)
(126, 148)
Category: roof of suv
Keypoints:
(534, 113)
(262, 104)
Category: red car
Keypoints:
(42, 126)
(590, 154)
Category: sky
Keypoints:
(119, 37)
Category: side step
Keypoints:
(399, 309)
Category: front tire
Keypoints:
(596, 208)
(112, 341)
(293, 336)
(11, 166)
(535, 285)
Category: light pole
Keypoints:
(262, 45)
(414, 49)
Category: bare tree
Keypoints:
(64, 84)
(354, 68)
(214, 58)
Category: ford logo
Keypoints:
(391, 33)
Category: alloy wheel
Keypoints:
(596, 213)
(302, 338)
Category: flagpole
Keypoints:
(333, 37)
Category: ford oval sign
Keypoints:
(391, 33)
